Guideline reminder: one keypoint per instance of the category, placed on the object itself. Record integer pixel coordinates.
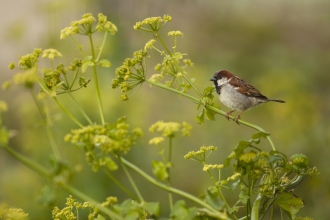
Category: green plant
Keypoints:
(264, 178)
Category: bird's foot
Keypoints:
(236, 120)
(228, 113)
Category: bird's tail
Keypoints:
(276, 100)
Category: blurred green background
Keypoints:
(281, 47)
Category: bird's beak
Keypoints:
(213, 79)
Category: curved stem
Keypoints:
(171, 189)
(212, 108)
(130, 179)
(99, 101)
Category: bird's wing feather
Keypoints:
(246, 89)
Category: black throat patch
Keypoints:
(217, 88)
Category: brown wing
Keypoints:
(246, 89)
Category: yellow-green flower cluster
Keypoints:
(85, 26)
(105, 25)
(67, 211)
(27, 79)
(156, 140)
(188, 62)
(171, 129)
(200, 153)
(110, 201)
(98, 141)
(248, 157)
(3, 106)
(212, 166)
(175, 33)
(126, 79)
(51, 54)
(28, 61)
(153, 23)
(13, 213)
(234, 176)
(149, 44)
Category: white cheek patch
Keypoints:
(223, 81)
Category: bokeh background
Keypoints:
(281, 47)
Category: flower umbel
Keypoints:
(101, 141)
(153, 24)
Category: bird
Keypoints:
(237, 94)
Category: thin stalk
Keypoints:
(173, 190)
(81, 110)
(178, 66)
(101, 48)
(170, 198)
(129, 193)
(49, 131)
(68, 113)
(99, 101)
(130, 179)
(84, 197)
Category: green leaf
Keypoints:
(105, 63)
(212, 198)
(242, 145)
(290, 203)
(181, 212)
(260, 135)
(85, 65)
(100, 217)
(208, 90)
(152, 208)
(300, 160)
(210, 114)
(159, 169)
(48, 196)
(200, 118)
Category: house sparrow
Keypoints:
(236, 94)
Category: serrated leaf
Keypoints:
(152, 208)
(290, 203)
(105, 63)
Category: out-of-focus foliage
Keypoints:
(280, 47)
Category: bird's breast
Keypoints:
(235, 100)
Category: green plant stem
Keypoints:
(68, 113)
(49, 131)
(102, 46)
(212, 108)
(81, 110)
(28, 162)
(170, 198)
(130, 179)
(84, 197)
(171, 189)
(178, 66)
(99, 101)
(129, 193)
